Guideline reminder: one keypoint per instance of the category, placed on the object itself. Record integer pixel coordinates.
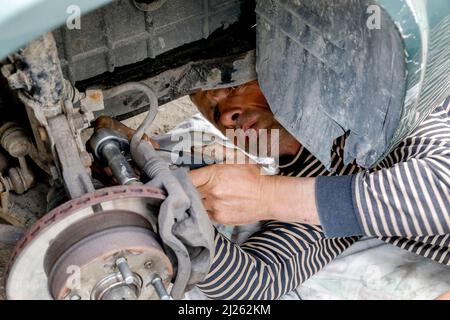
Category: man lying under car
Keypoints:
(312, 214)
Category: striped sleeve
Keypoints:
(409, 195)
(436, 248)
(271, 263)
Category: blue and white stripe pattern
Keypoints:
(404, 201)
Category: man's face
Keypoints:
(244, 107)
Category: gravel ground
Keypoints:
(169, 116)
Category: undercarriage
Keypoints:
(96, 210)
(125, 242)
(118, 220)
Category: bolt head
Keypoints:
(120, 260)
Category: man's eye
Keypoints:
(216, 115)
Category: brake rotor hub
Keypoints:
(100, 247)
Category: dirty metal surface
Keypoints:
(88, 200)
(185, 80)
(76, 179)
(96, 256)
(226, 58)
(10, 235)
(55, 222)
(5, 252)
(120, 34)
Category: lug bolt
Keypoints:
(160, 288)
(125, 271)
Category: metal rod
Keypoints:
(125, 271)
(119, 165)
(160, 288)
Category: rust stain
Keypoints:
(95, 95)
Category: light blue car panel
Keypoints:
(23, 20)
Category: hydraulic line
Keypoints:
(153, 110)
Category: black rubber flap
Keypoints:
(325, 74)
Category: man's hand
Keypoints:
(240, 194)
(235, 194)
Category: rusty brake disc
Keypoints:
(99, 246)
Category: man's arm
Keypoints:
(271, 263)
(408, 196)
(409, 199)
(240, 194)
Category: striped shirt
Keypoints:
(404, 200)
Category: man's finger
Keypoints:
(200, 177)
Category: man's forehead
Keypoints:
(207, 99)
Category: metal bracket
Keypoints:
(76, 179)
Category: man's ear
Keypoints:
(195, 101)
(201, 100)
(192, 97)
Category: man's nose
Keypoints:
(229, 117)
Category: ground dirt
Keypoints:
(168, 117)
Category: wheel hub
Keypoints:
(100, 247)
